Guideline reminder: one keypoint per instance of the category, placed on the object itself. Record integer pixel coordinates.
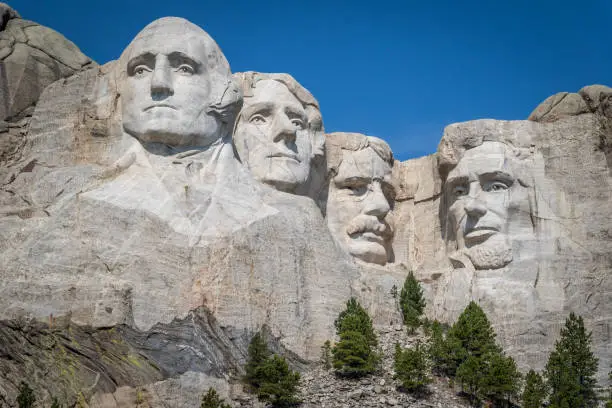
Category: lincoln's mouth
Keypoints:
(290, 156)
(477, 235)
(160, 105)
(369, 236)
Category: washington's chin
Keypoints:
(172, 131)
(368, 251)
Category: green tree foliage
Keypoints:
(326, 355)
(609, 401)
(411, 368)
(212, 400)
(279, 385)
(270, 377)
(258, 353)
(26, 397)
(354, 354)
(412, 302)
(571, 368)
(470, 353)
(355, 318)
(534, 392)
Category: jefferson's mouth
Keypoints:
(160, 105)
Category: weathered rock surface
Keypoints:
(139, 255)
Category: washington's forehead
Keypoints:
(363, 164)
(269, 90)
(486, 158)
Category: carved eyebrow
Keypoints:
(147, 59)
(497, 175)
(178, 58)
(453, 181)
(351, 180)
(296, 112)
(265, 107)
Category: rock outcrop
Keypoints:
(155, 214)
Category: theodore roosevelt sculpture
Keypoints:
(279, 131)
(360, 195)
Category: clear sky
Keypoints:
(400, 70)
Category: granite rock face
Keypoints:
(157, 211)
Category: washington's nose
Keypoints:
(283, 129)
(475, 208)
(377, 204)
(161, 82)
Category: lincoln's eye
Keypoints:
(257, 119)
(298, 123)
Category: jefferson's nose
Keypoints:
(161, 82)
(376, 202)
(283, 129)
(475, 208)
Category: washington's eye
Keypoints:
(459, 191)
(495, 186)
(298, 123)
(257, 119)
(186, 69)
(141, 70)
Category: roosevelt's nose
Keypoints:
(161, 82)
(283, 129)
(376, 202)
(475, 208)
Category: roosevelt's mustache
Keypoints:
(369, 223)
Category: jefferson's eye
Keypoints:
(186, 69)
(298, 123)
(257, 119)
(460, 191)
(495, 186)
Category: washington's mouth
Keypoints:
(160, 105)
(478, 235)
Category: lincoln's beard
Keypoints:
(494, 253)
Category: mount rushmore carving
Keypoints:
(159, 187)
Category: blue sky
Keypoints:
(400, 70)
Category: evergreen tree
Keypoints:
(439, 346)
(609, 401)
(411, 368)
(212, 400)
(26, 397)
(354, 355)
(269, 376)
(355, 318)
(279, 386)
(500, 379)
(571, 368)
(535, 390)
(258, 353)
(412, 302)
(326, 355)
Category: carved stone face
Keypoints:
(485, 199)
(272, 137)
(357, 203)
(168, 89)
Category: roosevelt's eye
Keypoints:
(186, 69)
(356, 188)
(141, 70)
(495, 186)
(257, 119)
(459, 191)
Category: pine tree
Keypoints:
(326, 355)
(279, 385)
(571, 368)
(258, 353)
(535, 390)
(212, 400)
(500, 379)
(609, 401)
(26, 397)
(412, 302)
(411, 368)
(269, 376)
(354, 355)
(355, 318)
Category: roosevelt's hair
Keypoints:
(336, 142)
(247, 81)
